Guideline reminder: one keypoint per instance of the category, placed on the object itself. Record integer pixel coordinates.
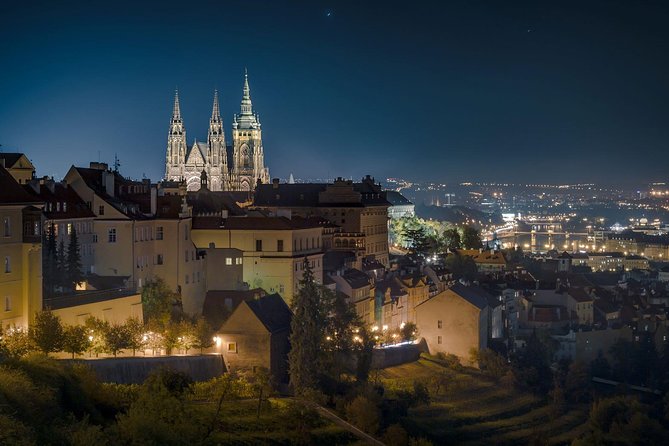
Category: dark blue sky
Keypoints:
(501, 91)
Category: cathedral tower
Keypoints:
(248, 157)
(189, 163)
(217, 157)
(176, 143)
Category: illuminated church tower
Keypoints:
(247, 150)
(241, 173)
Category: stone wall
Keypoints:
(392, 356)
(135, 370)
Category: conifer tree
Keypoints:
(50, 261)
(60, 280)
(73, 271)
(307, 333)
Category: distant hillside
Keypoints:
(455, 214)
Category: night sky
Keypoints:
(469, 90)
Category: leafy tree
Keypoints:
(47, 332)
(186, 335)
(577, 382)
(116, 338)
(396, 435)
(203, 335)
(600, 366)
(137, 338)
(73, 270)
(16, 342)
(491, 363)
(363, 354)
(622, 420)
(461, 266)
(75, 339)
(418, 241)
(409, 331)
(471, 238)
(95, 330)
(364, 413)
(307, 333)
(531, 366)
(158, 300)
(451, 239)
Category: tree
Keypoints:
(16, 342)
(95, 330)
(396, 435)
(75, 339)
(471, 238)
(158, 300)
(61, 266)
(461, 266)
(531, 366)
(47, 332)
(73, 270)
(203, 335)
(622, 420)
(307, 333)
(418, 241)
(50, 262)
(186, 335)
(364, 413)
(116, 338)
(451, 239)
(577, 382)
(409, 331)
(136, 334)
(491, 363)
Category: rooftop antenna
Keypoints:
(117, 163)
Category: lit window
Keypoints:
(111, 235)
(238, 261)
(232, 347)
(8, 303)
(228, 260)
(8, 228)
(8, 266)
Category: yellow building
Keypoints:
(109, 306)
(20, 253)
(19, 166)
(359, 209)
(140, 235)
(273, 249)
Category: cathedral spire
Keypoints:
(247, 107)
(215, 112)
(176, 111)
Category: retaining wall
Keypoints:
(135, 370)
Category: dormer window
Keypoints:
(58, 206)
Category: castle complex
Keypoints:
(233, 168)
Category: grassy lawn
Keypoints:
(475, 410)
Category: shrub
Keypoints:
(396, 435)
(363, 413)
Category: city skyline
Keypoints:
(479, 89)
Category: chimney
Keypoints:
(154, 201)
(108, 182)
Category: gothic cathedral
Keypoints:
(246, 163)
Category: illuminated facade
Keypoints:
(238, 171)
